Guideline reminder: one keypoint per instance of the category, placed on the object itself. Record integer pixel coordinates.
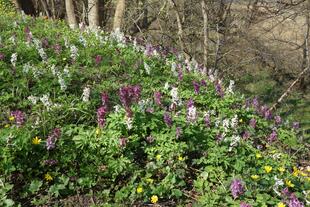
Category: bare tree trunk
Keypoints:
(53, 9)
(70, 14)
(43, 2)
(119, 14)
(180, 28)
(93, 13)
(205, 32)
(17, 5)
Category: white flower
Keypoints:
(14, 59)
(231, 87)
(191, 114)
(82, 41)
(147, 68)
(33, 99)
(62, 83)
(174, 94)
(85, 95)
(166, 87)
(54, 70)
(66, 71)
(226, 124)
(174, 69)
(74, 52)
(26, 68)
(66, 42)
(118, 36)
(117, 108)
(234, 121)
(45, 100)
(128, 121)
(42, 54)
(234, 141)
(13, 40)
(279, 182)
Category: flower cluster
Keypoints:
(236, 188)
(52, 138)
(19, 117)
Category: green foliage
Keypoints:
(136, 156)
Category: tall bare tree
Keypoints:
(119, 14)
(71, 14)
(93, 13)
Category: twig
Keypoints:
(288, 90)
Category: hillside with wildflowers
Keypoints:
(95, 119)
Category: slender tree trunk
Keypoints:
(43, 2)
(17, 5)
(205, 32)
(93, 13)
(70, 14)
(119, 15)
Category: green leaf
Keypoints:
(35, 186)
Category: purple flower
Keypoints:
(255, 102)
(44, 42)
(253, 123)
(52, 138)
(207, 120)
(219, 89)
(236, 188)
(129, 95)
(180, 74)
(167, 119)
(247, 103)
(242, 204)
(273, 136)
(1, 56)
(278, 120)
(219, 137)
(265, 112)
(191, 111)
(178, 132)
(246, 135)
(203, 83)
(50, 162)
(296, 125)
(294, 202)
(286, 192)
(101, 112)
(149, 110)
(19, 117)
(157, 98)
(98, 59)
(196, 87)
(104, 99)
(123, 142)
(57, 49)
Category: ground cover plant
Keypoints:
(98, 119)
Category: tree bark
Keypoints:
(119, 15)
(205, 32)
(17, 5)
(93, 13)
(43, 2)
(70, 14)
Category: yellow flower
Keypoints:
(254, 177)
(258, 155)
(281, 204)
(97, 131)
(289, 183)
(180, 158)
(158, 157)
(268, 169)
(48, 177)
(11, 118)
(308, 169)
(150, 180)
(302, 173)
(36, 140)
(139, 190)
(281, 169)
(295, 171)
(240, 120)
(154, 199)
(6, 126)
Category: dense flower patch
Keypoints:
(111, 120)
